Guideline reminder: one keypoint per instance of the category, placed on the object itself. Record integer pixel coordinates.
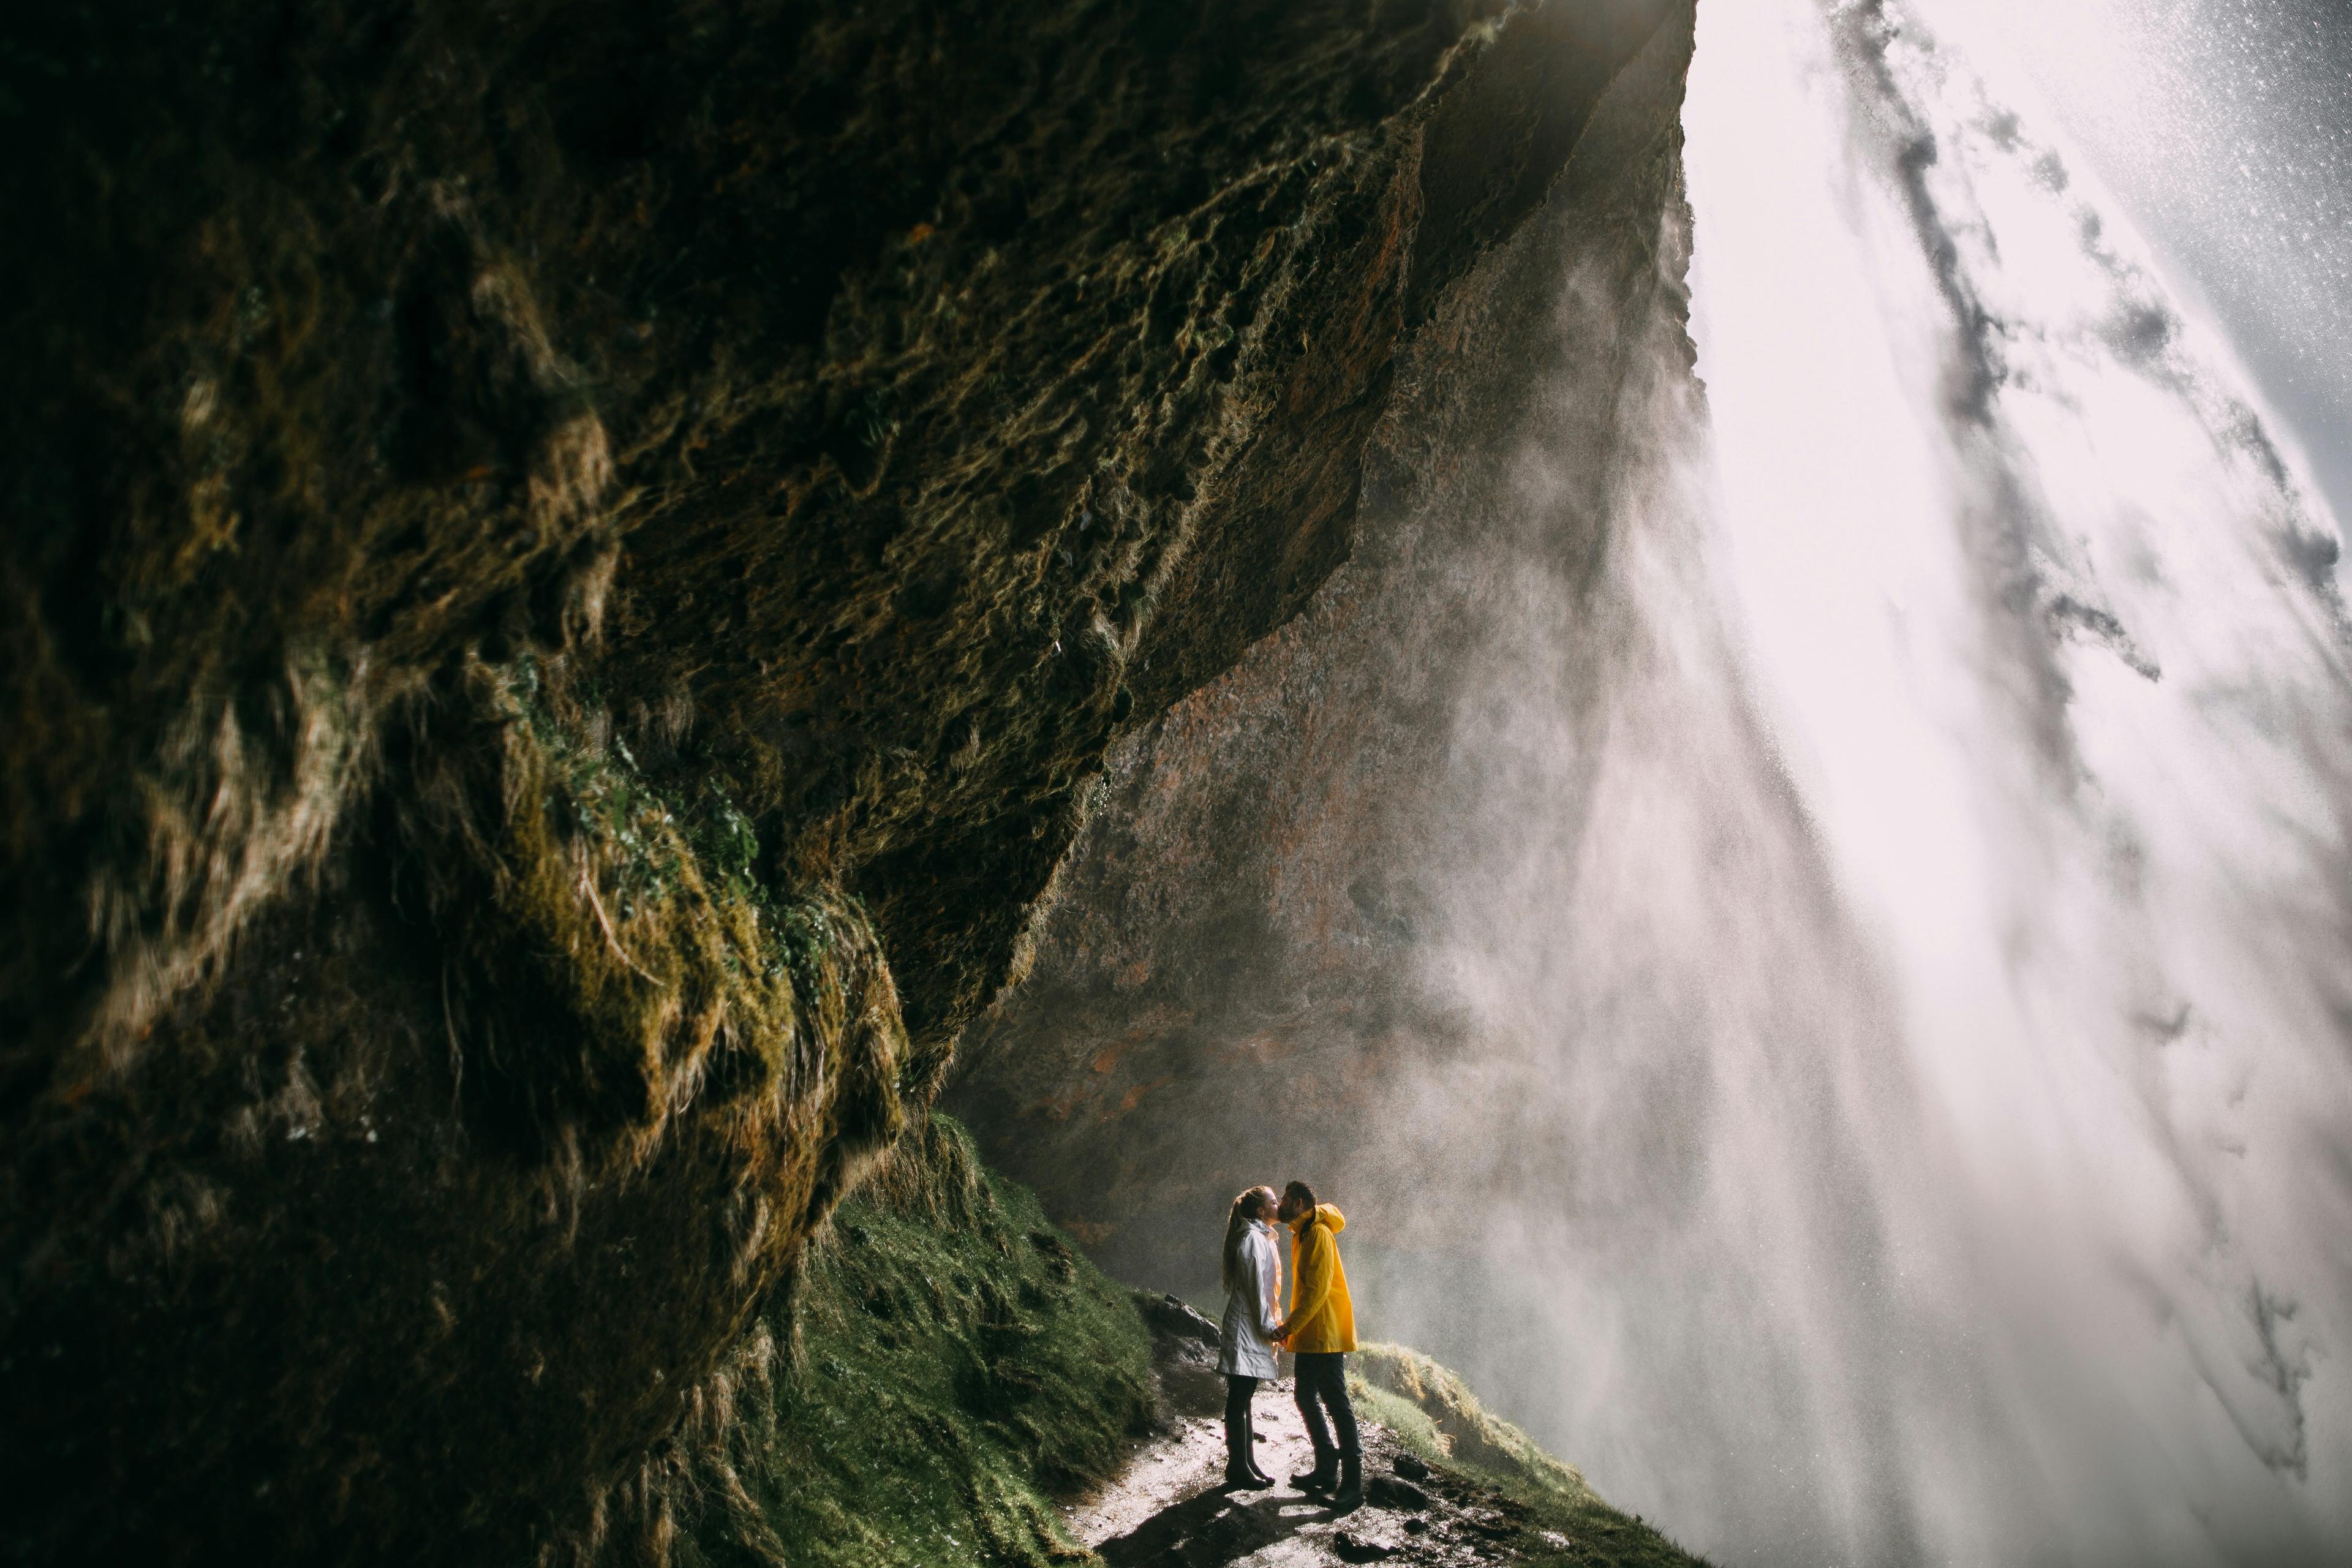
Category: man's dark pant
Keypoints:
(1323, 1382)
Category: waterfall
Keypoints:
(1911, 946)
(2042, 628)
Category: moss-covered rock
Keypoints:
(569, 567)
(958, 1364)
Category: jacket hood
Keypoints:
(1329, 1213)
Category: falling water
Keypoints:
(1912, 958)
(2051, 641)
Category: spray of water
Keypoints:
(2225, 126)
(1903, 901)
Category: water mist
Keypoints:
(1916, 959)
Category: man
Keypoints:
(1319, 1330)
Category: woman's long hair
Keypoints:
(1257, 1203)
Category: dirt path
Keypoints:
(1166, 1505)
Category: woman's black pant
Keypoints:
(1241, 1460)
(1239, 1391)
(1323, 1385)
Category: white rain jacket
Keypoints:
(1245, 1348)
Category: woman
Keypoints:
(1253, 1279)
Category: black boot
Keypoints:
(1249, 1450)
(1351, 1495)
(1324, 1476)
(1240, 1474)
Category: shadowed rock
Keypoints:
(569, 569)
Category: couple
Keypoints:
(1320, 1331)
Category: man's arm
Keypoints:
(1312, 1287)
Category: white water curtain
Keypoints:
(2038, 611)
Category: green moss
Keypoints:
(615, 942)
(1434, 1413)
(959, 1362)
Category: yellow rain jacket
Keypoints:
(1322, 1318)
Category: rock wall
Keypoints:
(1239, 983)
(568, 569)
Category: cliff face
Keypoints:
(568, 569)
(1245, 977)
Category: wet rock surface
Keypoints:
(570, 569)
